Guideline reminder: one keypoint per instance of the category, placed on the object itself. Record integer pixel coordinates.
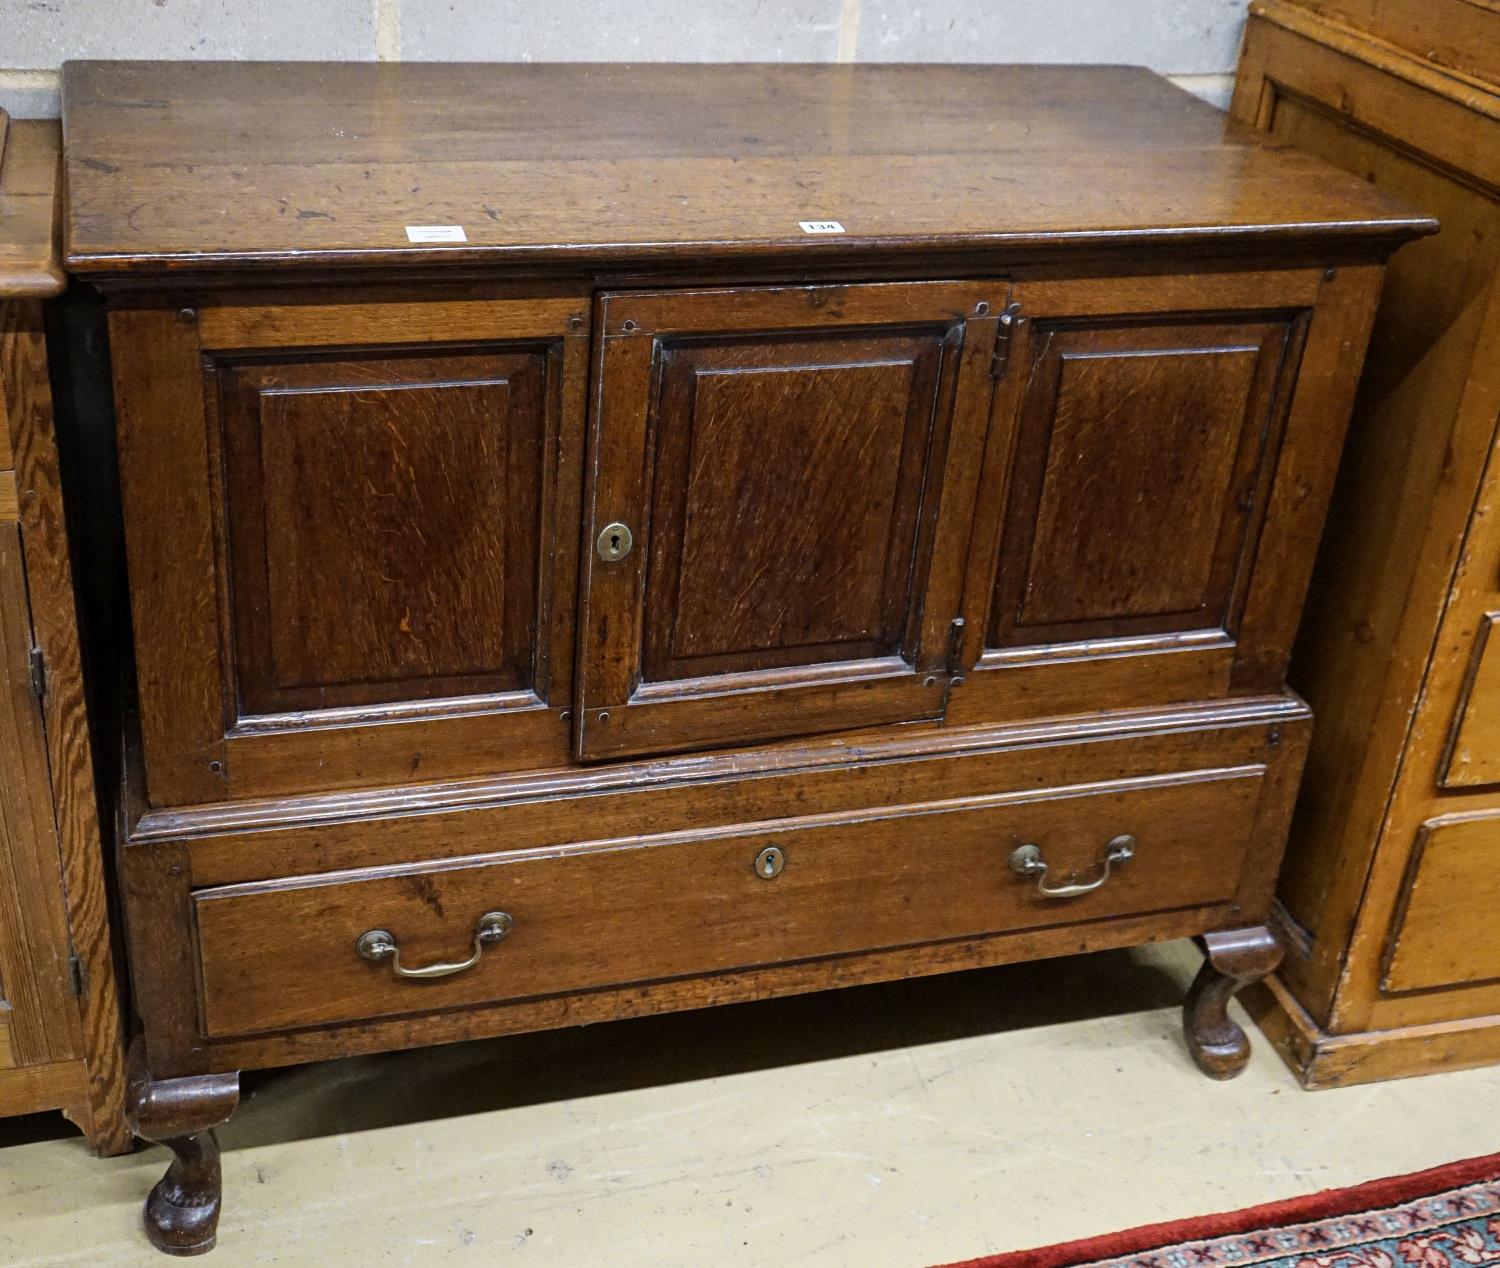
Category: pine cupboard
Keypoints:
(607, 539)
(1389, 893)
(61, 1041)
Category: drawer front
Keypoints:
(1444, 933)
(281, 955)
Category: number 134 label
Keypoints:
(821, 226)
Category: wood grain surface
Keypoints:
(374, 505)
(786, 459)
(65, 1021)
(282, 955)
(41, 1018)
(602, 163)
(1385, 974)
(30, 164)
(708, 814)
(987, 518)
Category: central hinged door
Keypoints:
(781, 486)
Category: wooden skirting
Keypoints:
(1321, 1060)
(31, 1089)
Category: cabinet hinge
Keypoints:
(36, 662)
(77, 975)
(1003, 336)
(955, 654)
(955, 643)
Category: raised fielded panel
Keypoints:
(795, 468)
(784, 515)
(1444, 934)
(1473, 756)
(386, 541)
(1139, 428)
(383, 525)
(1140, 451)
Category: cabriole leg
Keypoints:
(1236, 958)
(182, 1213)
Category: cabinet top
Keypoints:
(212, 165)
(29, 263)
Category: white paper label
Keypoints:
(821, 226)
(436, 233)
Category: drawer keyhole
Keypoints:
(769, 862)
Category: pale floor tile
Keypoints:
(903, 1125)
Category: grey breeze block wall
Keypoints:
(1193, 41)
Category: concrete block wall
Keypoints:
(1193, 41)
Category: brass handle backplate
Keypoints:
(376, 945)
(1027, 860)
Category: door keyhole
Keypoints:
(614, 542)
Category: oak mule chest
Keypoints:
(606, 539)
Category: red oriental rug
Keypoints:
(1448, 1217)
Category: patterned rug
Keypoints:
(1448, 1217)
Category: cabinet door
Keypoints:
(352, 533)
(1143, 435)
(38, 1011)
(781, 490)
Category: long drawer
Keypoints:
(338, 947)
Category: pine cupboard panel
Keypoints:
(30, 160)
(1474, 754)
(1457, 35)
(43, 1023)
(1444, 932)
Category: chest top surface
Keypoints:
(182, 166)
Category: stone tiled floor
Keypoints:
(903, 1125)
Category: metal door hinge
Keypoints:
(36, 662)
(1003, 336)
(955, 660)
(78, 975)
(955, 643)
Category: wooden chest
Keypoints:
(604, 539)
(1393, 877)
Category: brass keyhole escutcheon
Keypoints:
(769, 862)
(615, 541)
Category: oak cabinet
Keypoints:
(639, 602)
